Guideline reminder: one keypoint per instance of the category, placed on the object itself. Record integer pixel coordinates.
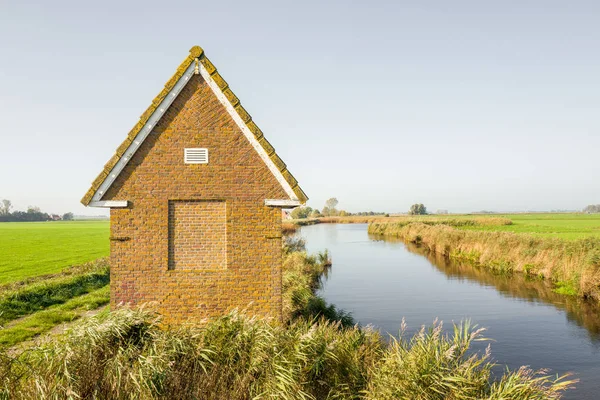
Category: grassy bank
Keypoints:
(34, 306)
(43, 321)
(27, 299)
(573, 265)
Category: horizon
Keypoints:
(464, 108)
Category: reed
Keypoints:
(434, 365)
(128, 354)
(288, 228)
(303, 275)
(573, 265)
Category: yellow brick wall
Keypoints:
(197, 235)
(156, 181)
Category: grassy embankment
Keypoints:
(39, 287)
(522, 286)
(130, 354)
(565, 251)
(28, 309)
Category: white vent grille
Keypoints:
(196, 156)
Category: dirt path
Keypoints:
(47, 336)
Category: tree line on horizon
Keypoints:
(33, 214)
(329, 210)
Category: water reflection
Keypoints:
(381, 282)
(577, 310)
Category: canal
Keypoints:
(380, 281)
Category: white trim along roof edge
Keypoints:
(153, 120)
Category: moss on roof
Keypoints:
(196, 52)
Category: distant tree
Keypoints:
(67, 216)
(301, 212)
(417, 209)
(32, 214)
(329, 210)
(343, 213)
(592, 209)
(332, 202)
(315, 214)
(5, 207)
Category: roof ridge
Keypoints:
(196, 52)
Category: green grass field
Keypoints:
(28, 249)
(566, 226)
(29, 307)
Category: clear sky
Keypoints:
(460, 105)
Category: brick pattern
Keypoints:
(197, 235)
(236, 177)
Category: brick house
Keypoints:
(195, 195)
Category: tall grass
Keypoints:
(288, 228)
(434, 365)
(128, 354)
(573, 264)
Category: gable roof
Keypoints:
(195, 63)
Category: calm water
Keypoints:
(382, 281)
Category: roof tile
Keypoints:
(210, 68)
(301, 195)
(99, 179)
(243, 113)
(111, 163)
(196, 51)
(87, 197)
(266, 145)
(255, 130)
(221, 83)
(289, 178)
(123, 147)
(278, 162)
(231, 97)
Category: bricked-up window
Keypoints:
(197, 235)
